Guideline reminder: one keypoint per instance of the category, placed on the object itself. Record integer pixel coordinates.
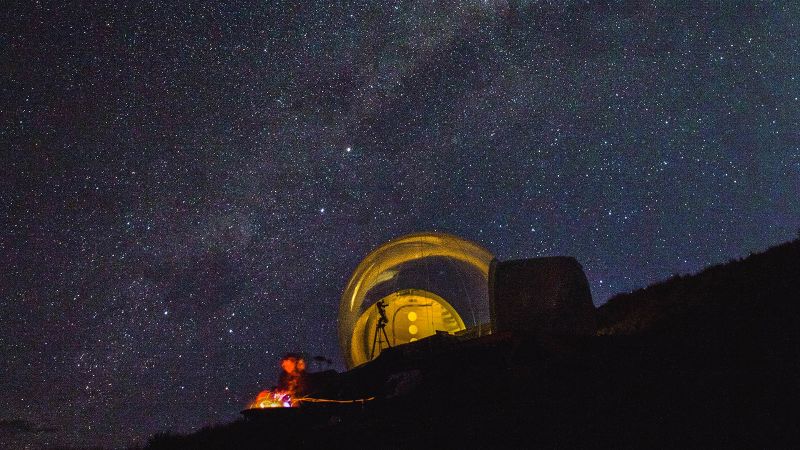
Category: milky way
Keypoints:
(185, 189)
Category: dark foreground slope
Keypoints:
(703, 361)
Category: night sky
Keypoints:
(184, 190)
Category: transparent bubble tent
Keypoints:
(413, 287)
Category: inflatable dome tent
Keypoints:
(411, 287)
(417, 285)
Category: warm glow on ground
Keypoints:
(272, 399)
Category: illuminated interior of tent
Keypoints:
(410, 288)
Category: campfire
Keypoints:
(293, 388)
(285, 395)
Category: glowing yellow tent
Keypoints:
(410, 288)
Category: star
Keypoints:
(197, 170)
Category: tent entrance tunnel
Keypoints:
(412, 314)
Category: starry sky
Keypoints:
(185, 188)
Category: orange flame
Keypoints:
(273, 399)
(293, 367)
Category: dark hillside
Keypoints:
(751, 304)
(708, 360)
